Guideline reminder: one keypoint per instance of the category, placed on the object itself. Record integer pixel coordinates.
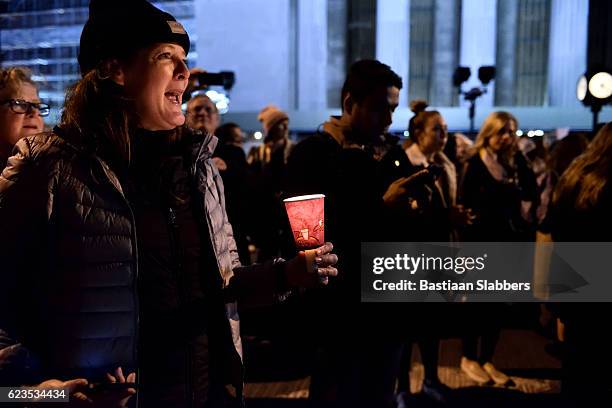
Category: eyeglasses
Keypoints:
(24, 107)
(209, 110)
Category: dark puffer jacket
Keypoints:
(68, 298)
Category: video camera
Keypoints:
(226, 79)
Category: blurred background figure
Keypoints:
(230, 134)
(580, 212)
(273, 153)
(202, 114)
(458, 149)
(21, 111)
(463, 145)
(235, 175)
(431, 216)
(498, 184)
(561, 155)
(435, 214)
(268, 164)
(500, 187)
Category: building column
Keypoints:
(312, 55)
(361, 27)
(505, 54)
(336, 50)
(532, 52)
(568, 47)
(478, 28)
(421, 17)
(262, 53)
(445, 52)
(392, 23)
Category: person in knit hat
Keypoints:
(275, 125)
(119, 262)
(268, 165)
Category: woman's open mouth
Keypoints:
(174, 96)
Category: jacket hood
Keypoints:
(337, 129)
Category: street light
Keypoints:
(594, 89)
(485, 75)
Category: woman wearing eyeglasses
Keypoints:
(20, 109)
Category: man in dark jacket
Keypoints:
(335, 162)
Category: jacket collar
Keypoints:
(416, 156)
(69, 139)
(204, 144)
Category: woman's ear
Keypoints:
(112, 69)
(347, 103)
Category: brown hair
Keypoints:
(417, 123)
(493, 125)
(587, 176)
(97, 112)
(12, 78)
(563, 152)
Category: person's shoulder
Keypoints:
(40, 146)
(229, 151)
(320, 144)
(190, 136)
(202, 144)
(43, 153)
(319, 139)
(474, 159)
(474, 163)
(235, 151)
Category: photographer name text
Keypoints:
(481, 285)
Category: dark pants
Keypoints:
(587, 359)
(350, 376)
(484, 323)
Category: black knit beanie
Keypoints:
(118, 28)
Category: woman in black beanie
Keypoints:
(121, 264)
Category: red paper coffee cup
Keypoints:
(306, 214)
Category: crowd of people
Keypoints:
(134, 233)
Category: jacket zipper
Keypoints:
(106, 170)
(177, 257)
(136, 299)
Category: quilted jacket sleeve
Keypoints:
(255, 285)
(25, 205)
(260, 284)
